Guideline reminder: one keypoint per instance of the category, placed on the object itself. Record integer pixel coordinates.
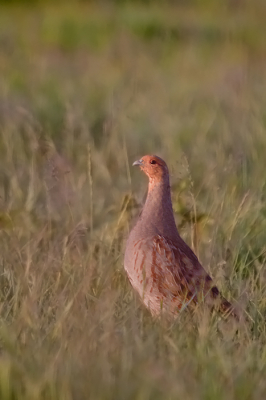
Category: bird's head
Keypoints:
(154, 167)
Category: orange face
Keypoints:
(154, 167)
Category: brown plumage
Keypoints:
(160, 265)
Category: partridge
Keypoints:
(57, 177)
(161, 267)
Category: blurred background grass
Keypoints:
(85, 89)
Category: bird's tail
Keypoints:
(227, 309)
(222, 305)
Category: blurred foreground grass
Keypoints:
(84, 91)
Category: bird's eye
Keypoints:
(152, 162)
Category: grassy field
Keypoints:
(85, 90)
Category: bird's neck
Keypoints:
(158, 210)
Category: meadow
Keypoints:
(85, 90)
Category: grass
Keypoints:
(88, 89)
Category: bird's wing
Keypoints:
(178, 270)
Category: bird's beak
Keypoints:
(138, 162)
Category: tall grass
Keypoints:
(84, 91)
